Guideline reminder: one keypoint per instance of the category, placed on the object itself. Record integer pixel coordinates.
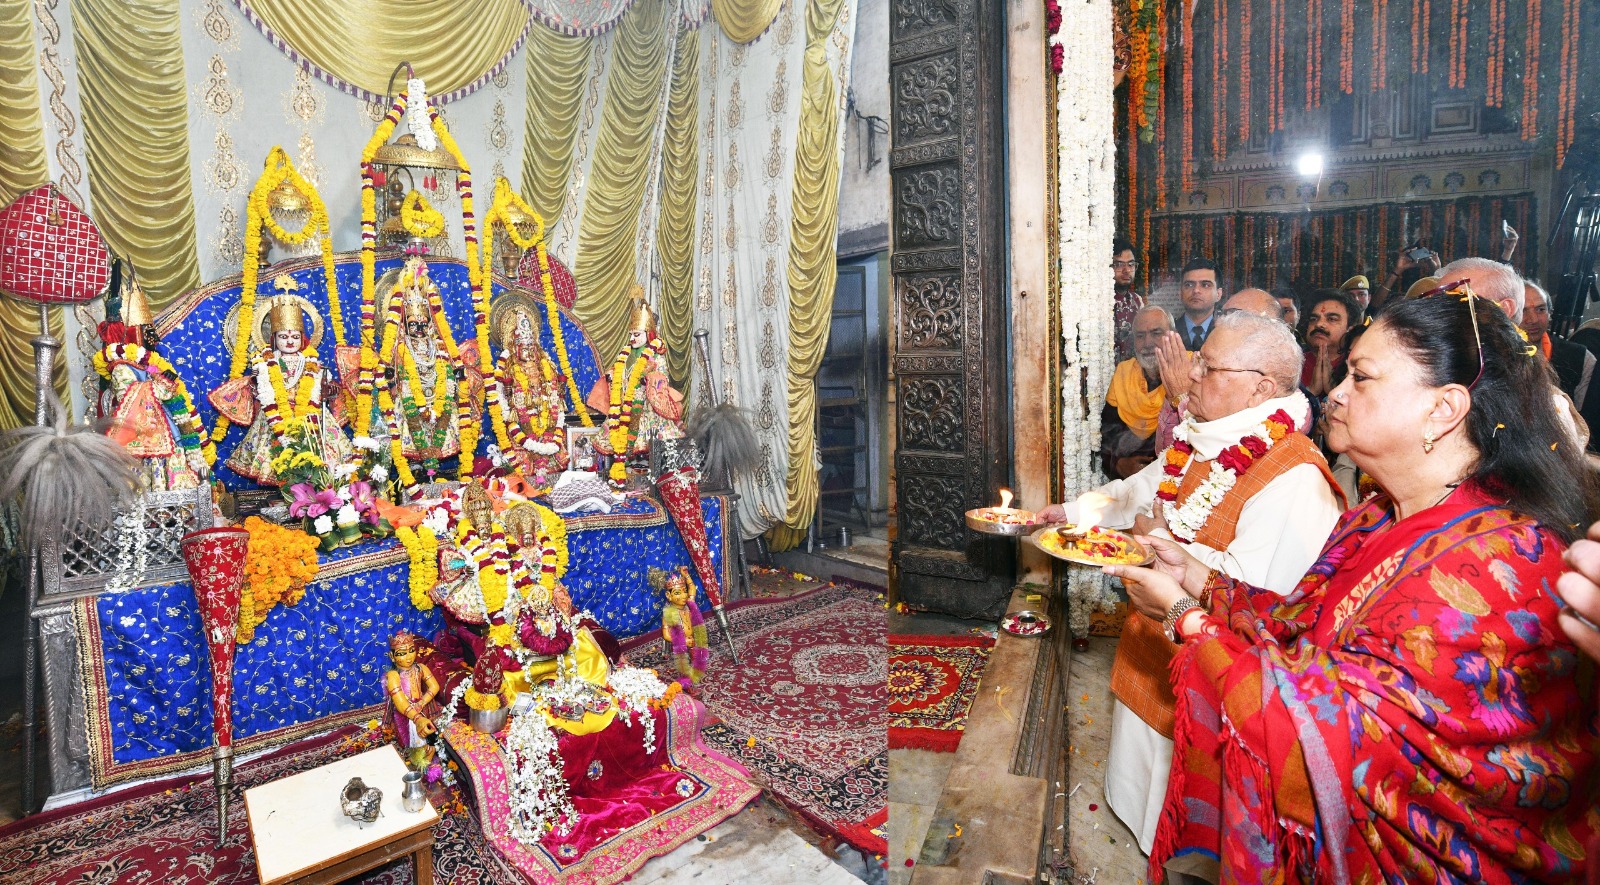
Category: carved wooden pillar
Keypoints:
(950, 347)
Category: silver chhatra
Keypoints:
(361, 803)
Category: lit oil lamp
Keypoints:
(1002, 520)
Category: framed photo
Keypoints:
(581, 451)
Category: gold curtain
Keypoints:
(745, 20)
(675, 224)
(22, 166)
(558, 71)
(813, 267)
(136, 128)
(607, 248)
(450, 44)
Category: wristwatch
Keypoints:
(1169, 625)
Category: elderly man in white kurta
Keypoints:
(1245, 493)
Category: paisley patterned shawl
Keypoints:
(1436, 726)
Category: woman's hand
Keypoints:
(1580, 590)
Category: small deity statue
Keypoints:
(639, 403)
(412, 693)
(282, 399)
(682, 627)
(424, 383)
(532, 403)
(457, 590)
(145, 400)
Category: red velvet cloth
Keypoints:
(215, 558)
(680, 496)
(629, 785)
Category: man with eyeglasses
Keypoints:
(1201, 289)
(1127, 302)
(1262, 518)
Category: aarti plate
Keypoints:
(1094, 546)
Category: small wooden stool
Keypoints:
(301, 835)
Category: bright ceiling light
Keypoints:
(1309, 164)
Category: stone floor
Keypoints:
(1101, 847)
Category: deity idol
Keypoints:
(145, 399)
(423, 378)
(532, 405)
(639, 403)
(682, 627)
(412, 692)
(282, 399)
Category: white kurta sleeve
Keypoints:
(1281, 531)
(1129, 497)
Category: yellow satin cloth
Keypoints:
(1137, 404)
(593, 668)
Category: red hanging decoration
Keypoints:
(1530, 70)
(1567, 98)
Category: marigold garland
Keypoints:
(423, 547)
(1245, 36)
(1530, 71)
(306, 405)
(369, 244)
(1186, 171)
(493, 561)
(468, 425)
(279, 563)
(1232, 462)
(278, 170)
(1567, 97)
(1347, 40)
(419, 217)
(1219, 82)
(621, 423)
(1380, 44)
(178, 405)
(1458, 44)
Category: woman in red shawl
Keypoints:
(1413, 711)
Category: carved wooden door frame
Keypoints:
(951, 349)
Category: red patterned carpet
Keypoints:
(804, 708)
(932, 681)
(166, 833)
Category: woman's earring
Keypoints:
(1427, 441)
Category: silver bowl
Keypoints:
(1025, 617)
(488, 721)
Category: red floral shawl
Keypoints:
(1447, 733)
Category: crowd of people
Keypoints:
(1366, 650)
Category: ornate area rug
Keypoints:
(166, 832)
(804, 709)
(932, 681)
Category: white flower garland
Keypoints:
(133, 548)
(417, 115)
(1185, 522)
(540, 799)
(634, 688)
(1086, 189)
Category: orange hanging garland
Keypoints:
(1458, 44)
(1219, 80)
(1567, 98)
(1380, 44)
(1245, 110)
(1348, 47)
(1185, 174)
(1161, 108)
(1530, 71)
(1313, 52)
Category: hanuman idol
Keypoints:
(639, 403)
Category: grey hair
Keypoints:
(1166, 316)
(1490, 279)
(1267, 345)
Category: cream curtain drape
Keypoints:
(22, 166)
(557, 72)
(136, 126)
(813, 270)
(675, 238)
(745, 20)
(451, 45)
(607, 254)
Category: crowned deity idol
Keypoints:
(286, 399)
(532, 404)
(413, 694)
(639, 403)
(423, 379)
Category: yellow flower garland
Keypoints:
(419, 217)
(468, 427)
(493, 562)
(189, 421)
(620, 420)
(301, 408)
(278, 170)
(369, 285)
(423, 547)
